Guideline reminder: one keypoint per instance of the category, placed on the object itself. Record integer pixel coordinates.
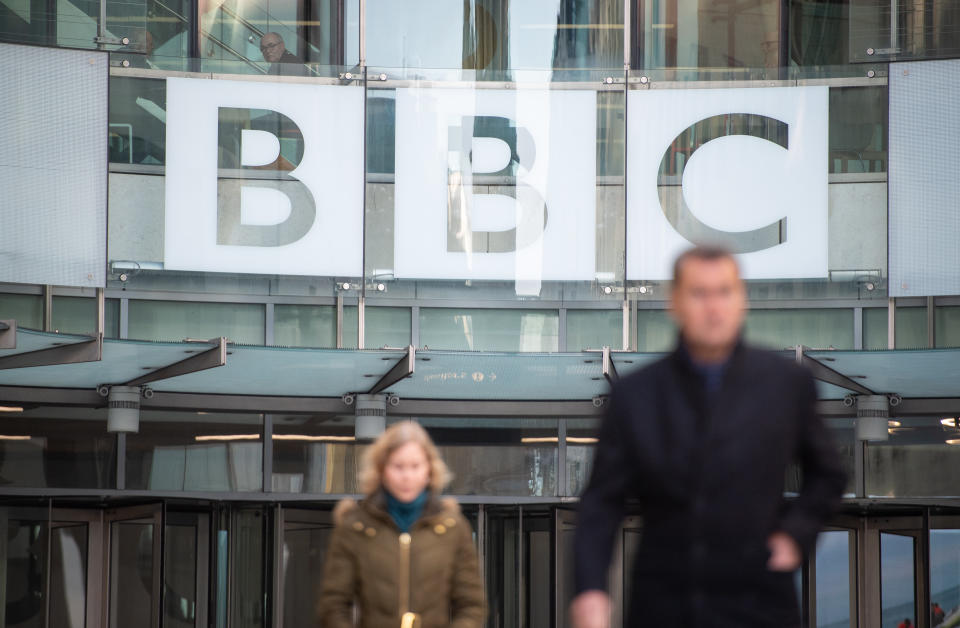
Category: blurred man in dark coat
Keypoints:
(702, 440)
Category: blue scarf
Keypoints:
(405, 514)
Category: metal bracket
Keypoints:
(402, 369)
(8, 334)
(211, 358)
(73, 353)
(826, 374)
(113, 41)
(609, 368)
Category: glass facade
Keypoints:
(481, 177)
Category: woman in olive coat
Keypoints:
(403, 555)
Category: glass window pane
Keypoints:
(495, 35)
(26, 309)
(132, 573)
(305, 325)
(897, 581)
(177, 320)
(834, 551)
(911, 328)
(594, 329)
(196, 451)
(655, 331)
(921, 459)
(78, 315)
(944, 576)
(526, 460)
(315, 454)
(383, 327)
(489, 330)
(819, 329)
(57, 448)
(24, 556)
(947, 326)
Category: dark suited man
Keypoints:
(702, 440)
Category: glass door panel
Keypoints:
(23, 558)
(133, 567)
(944, 571)
(834, 569)
(303, 542)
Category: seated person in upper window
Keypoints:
(281, 60)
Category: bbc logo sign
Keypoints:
(490, 184)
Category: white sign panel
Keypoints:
(753, 167)
(534, 216)
(237, 202)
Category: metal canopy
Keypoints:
(248, 375)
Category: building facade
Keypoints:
(311, 217)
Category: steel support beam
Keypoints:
(8, 334)
(826, 374)
(211, 358)
(73, 353)
(609, 368)
(401, 370)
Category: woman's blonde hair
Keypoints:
(395, 437)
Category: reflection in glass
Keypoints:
(778, 329)
(489, 330)
(944, 577)
(26, 309)
(78, 315)
(247, 556)
(132, 575)
(526, 460)
(594, 329)
(180, 556)
(833, 577)
(23, 553)
(176, 320)
(897, 583)
(911, 328)
(305, 541)
(57, 447)
(187, 451)
(315, 454)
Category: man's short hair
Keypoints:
(702, 252)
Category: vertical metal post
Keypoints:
(268, 320)
(363, 42)
(625, 327)
(858, 328)
(415, 326)
(267, 453)
(562, 480)
(48, 308)
(627, 26)
(339, 344)
(121, 460)
(562, 332)
(124, 330)
(361, 323)
(891, 323)
(894, 31)
(521, 584)
(482, 541)
(931, 324)
(101, 313)
(634, 326)
(860, 468)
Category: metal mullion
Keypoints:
(267, 453)
(562, 479)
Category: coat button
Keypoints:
(405, 538)
(440, 528)
(370, 532)
(358, 526)
(450, 521)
